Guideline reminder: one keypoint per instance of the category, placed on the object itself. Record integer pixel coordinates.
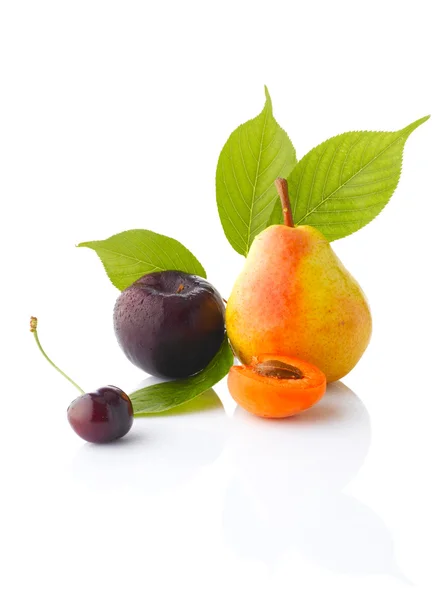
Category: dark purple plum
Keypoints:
(101, 416)
(170, 324)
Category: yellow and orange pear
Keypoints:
(294, 297)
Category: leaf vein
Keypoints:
(354, 175)
(256, 182)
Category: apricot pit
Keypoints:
(278, 369)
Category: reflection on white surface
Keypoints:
(283, 480)
(159, 453)
(287, 490)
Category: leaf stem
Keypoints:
(33, 329)
(282, 189)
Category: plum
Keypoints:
(170, 323)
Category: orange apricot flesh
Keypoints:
(276, 386)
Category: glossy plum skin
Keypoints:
(170, 324)
(101, 416)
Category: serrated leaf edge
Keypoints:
(406, 132)
(243, 248)
(90, 245)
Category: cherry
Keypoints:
(101, 416)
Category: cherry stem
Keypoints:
(33, 329)
(282, 189)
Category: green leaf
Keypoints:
(206, 402)
(165, 396)
(129, 255)
(345, 182)
(255, 154)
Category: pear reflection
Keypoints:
(287, 492)
(154, 458)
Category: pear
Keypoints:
(294, 297)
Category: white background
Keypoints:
(112, 116)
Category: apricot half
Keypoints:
(276, 386)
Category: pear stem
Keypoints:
(282, 189)
(33, 329)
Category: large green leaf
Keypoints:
(255, 154)
(345, 182)
(129, 255)
(165, 396)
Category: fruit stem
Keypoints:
(33, 329)
(282, 189)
